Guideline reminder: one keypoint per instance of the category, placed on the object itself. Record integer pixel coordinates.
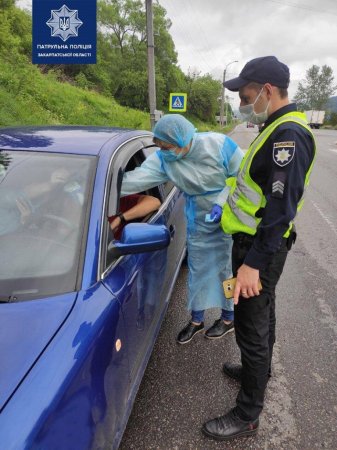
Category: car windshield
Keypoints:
(43, 204)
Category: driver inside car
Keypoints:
(56, 200)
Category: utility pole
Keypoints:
(150, 62)
(223, 96)
(226, 110)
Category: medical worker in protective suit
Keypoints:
(198, 164)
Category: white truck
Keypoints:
(315, 118)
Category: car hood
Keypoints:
(26, 328)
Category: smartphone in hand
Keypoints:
(229, 286)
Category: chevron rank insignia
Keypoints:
(278, 184)
(283, 152)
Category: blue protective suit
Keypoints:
(201, 174)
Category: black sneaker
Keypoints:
(219, 329)
(233, 371)
(187, 333)
(229, 426)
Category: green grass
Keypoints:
(28, 97)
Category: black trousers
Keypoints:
(255, 321)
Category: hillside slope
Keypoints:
(28, 97)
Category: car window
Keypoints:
(43, 201)
(126, 203)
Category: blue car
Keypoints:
(80, 310)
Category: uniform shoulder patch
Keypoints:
(278, 184)
(283, 152)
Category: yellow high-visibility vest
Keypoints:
(246, 197)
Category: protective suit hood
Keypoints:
(175, 129)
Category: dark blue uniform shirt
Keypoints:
(279, 168)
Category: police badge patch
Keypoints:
(283, 152)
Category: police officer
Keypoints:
(259, 213)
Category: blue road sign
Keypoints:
(178, 102)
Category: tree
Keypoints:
(332, 120)
(6, 4)
(203, 97)
(125, 20)
(315, 90)
(122, 30)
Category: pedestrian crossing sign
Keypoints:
(178, 102)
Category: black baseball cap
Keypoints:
(266, 69)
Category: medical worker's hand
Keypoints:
(216, 213)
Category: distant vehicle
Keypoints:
(315, 118)
(250, 125)
(80, 311)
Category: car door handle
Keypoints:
(172, 231)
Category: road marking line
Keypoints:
(325, 217)
(279, 422)
(327, 317)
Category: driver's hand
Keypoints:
(115, 224)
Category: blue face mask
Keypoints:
(171, 155)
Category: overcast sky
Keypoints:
(209, 34)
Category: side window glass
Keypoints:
(114, 224)
(167, 188)
(149, 150)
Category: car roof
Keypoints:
(65, 139)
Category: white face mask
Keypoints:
(247, 112)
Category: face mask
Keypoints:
(247, 112)
(171, 155)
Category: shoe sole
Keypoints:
(227, 438)
(219, 337)
(186, 342)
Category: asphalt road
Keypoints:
(183, 385)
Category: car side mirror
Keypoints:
(140, 238)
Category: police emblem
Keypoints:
(64, 23)
(283, 152)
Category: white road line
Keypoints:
(325, 217)
(327, 317)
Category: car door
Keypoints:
(145, 280)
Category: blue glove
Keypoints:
(216, 213)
